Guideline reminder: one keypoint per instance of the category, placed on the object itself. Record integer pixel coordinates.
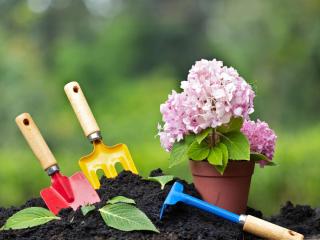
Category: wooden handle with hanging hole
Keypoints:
(35, 140)
(81, 108)
(269, 230)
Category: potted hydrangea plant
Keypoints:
(208, 124)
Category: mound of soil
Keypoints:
(180, 221)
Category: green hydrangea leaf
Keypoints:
(86, 209)
(271, 164)
(198, 151)
(234, 125)
(237, 144)
(225, 158)
(29, 217)
(163, 180)
(179, 152)
(126, 217)
(215, 156)
(258, 156)
(255, 156)
(121, 199)
(202, 135)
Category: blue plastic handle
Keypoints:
(187, 199)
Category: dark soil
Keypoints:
(180, 221)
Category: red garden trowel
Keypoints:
(64, 192)
(103, 157)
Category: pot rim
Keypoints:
(239, 168)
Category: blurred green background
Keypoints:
(128, 55)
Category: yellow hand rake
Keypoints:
(103, 157)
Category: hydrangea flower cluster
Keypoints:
(211, 96)
(262, 139)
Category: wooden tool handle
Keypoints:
(35, 140)
(269, 230)
(81, 108)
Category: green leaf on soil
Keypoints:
(198, 151)
(163, 180)
(237, 144)
(87, 208)
(179, 152)
(225, 158)
(121, 199)
(215, 156)
(29, 217)
(201, 136)
(234, 125)
(126, 217)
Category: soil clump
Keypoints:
(180, 221)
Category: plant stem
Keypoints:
(213, 138)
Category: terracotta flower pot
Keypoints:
(230, 190)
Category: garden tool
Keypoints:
(64, 192)
(250, 224)
(103, 157)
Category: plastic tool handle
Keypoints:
(81, 108)
(269, 230)
(35, 140)
(187, 199)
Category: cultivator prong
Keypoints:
(125, 159)
(105, 158)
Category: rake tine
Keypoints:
(109, 170)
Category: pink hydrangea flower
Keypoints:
(262, 139)
(211, 96)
